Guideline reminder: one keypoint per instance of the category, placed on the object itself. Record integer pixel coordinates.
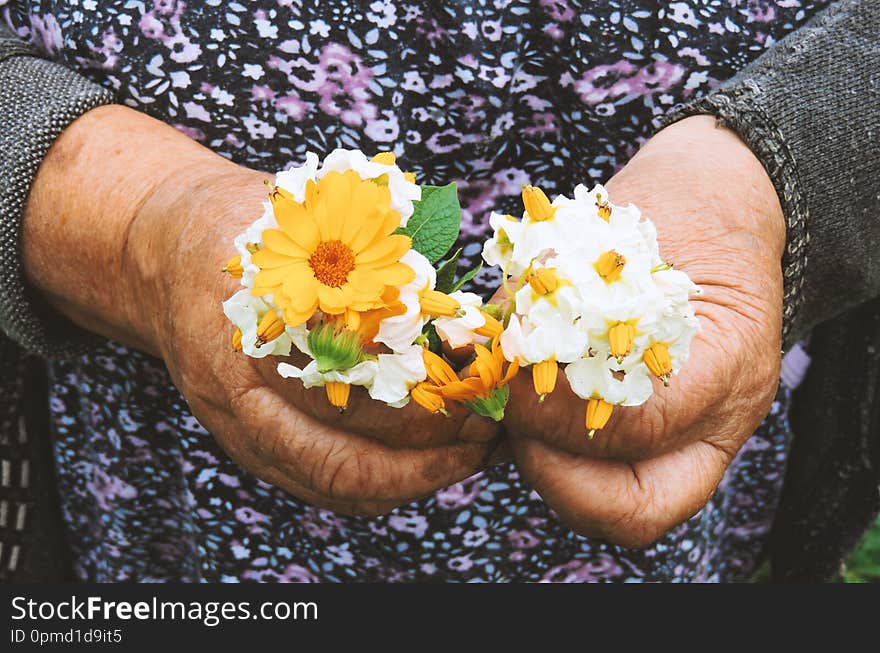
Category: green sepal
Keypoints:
(492, 406)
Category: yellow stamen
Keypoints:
(537, 204)
(605, 212)
(385, 158)
(598, 413)
(236, 340)
(544, 377)
(610, 265)
(438, 304)
(338, 394)
(410, 177)
(544, 281)
(428, 397)
(270, 327)
(657, 359)
(491, 329)
(621, 338)
(253, 248)
(233, 267)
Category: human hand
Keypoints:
(718, 219)
(140, 261)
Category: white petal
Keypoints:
(459, 331)
(397, 374)
(399, 332)
(589, 377)
(294, 179)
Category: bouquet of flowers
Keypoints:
(345, 266)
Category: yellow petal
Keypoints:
(366, 284)
(301, 287)
(288, 213)
(335, 198)
(280, 242)
(333, 300)
(439, 371)
(294, 318)
(397, 274)
(375, 227)
(275, 276)
(385, 158)
(388, 250)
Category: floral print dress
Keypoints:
(491, 93)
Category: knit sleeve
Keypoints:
(38, 99)
(809, 108)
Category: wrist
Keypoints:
(91, 226)
(182, 235)
(722, 172)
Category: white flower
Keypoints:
(676, 286)
(361, 374)
(534, 301)
(403, 192)
(550, 338)
(245, 311)
(396, 375)
(594, 378)
(498, 250)
(601, 313)
(460, 331)
(400, 331)
(251, 236)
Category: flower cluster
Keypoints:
(341, 267)
(336, 267)
(589, 290)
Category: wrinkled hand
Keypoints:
(653, 466)
(366, 461)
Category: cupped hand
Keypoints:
(653, 466)
(367, 460)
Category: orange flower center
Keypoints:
(331, 262)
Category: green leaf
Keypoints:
(446, 273)
(467, 276)
(435, 222)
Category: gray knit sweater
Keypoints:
(809, 108)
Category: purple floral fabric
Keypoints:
(492, 94)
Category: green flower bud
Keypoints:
(334, 350)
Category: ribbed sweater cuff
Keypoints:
(38, 100)
(809, 109)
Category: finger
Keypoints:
(341, 466)
(627, 504)
(632, 433)
(409, 427)
(717, 394)
(458, 357)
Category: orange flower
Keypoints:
(484, 390)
